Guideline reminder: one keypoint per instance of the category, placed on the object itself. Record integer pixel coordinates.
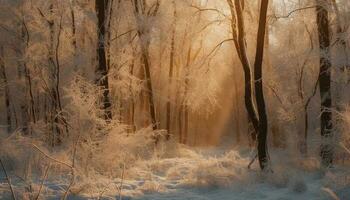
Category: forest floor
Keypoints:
(199, 174)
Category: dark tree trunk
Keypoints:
(262, 135)
(108, 32)
(52, 90)
(132, 103)
(239, 41)
(325, 84)
(6, 90)
(74, 29)
(152, 109)
(102, 70)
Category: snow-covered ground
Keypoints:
(199, 175)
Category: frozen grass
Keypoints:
(195, 174)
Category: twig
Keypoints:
(42, 182)
(50, 157)
(50, 22)
(219, 45)
(69, 186)
(345, 148)
(252, 161)
(73, 165)
(208, 9)
(8, 180)
(102, 192)
(62, 163)
(121, 183)
(293, 11)
(331, 193)
(122, 34)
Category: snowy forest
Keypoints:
(175, 99)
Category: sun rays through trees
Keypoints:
(139, 98)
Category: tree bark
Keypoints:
(239, 41)
(152, 109)
(55, 108)
(110, 6)
(74, 29)
(260, 101)
(325, 84)
(27, 72)
(102, 69)
(7, 91)
(140, 11)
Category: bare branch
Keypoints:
(208, 9)
(43, 181)
(292, 12)
(44, 17)
(219, 45)
(52, 158)
(122, 34)
(8, 180)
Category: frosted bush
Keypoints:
(103, 146)
(215, 172)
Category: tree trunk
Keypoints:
(132, 103)
(27, 73)
(260, 101)
(171, 70)
(102, 70)
(152, 109)
(140, 11)
(7, 91)
(74, 38)
(236, 108)
(108, 32)
(53, 88)
(239, 40)
(325, 84)
(31, 96)
(306, 118)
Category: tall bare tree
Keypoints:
(6, 90)
(171, 71)
(74, 31)
(29, 105)
(142, 11)
(325, 82)
(259, 93)
(239, 38)
(54, 105)
(102, 69)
